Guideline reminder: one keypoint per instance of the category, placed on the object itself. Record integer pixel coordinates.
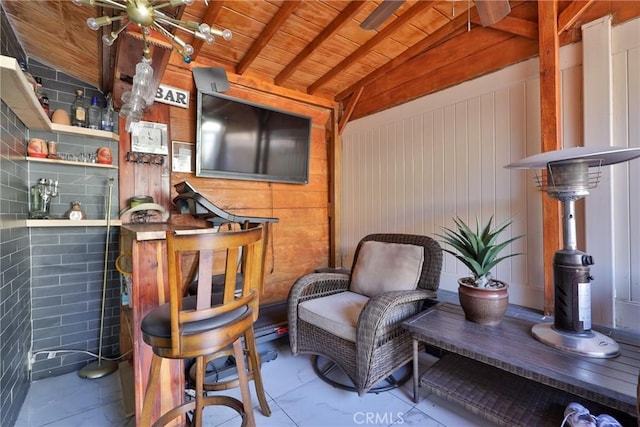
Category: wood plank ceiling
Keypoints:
(317, 47)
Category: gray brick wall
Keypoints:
(51, 288)
(67, 263)
(15, 297)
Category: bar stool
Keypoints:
(250, 350)
(194, 327)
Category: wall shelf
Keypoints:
(70, 223)
(70, 163)
(18, 94)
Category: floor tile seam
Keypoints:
(284, 412)
(75, 413)
(423, 413)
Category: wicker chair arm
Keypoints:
(381, 318)
(307, 287)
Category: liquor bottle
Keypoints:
(78, 111)
(42, 96)
(107, 115)
(94, 114)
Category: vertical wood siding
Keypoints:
(626, 177)
(411, 169)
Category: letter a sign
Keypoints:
(172, 96)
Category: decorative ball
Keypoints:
(61, 117)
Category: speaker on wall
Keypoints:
(210, 79)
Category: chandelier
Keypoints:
(148, 14)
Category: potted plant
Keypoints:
(483, 299)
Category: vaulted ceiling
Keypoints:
(318, 47)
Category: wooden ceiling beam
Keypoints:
(400, 22)
(516, 26)
(270, 30)
(551, 124)
(348, 109)
(572, 13)
(209, 18)
(447, 31)
(329, 31)
(445, 66)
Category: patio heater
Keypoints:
(568, 176)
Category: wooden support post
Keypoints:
(334, 157)
(550, 119)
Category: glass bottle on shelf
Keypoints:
(107, 115)
(94, 114)
(42, 97)
(78, 111)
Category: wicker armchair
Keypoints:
(378, 344)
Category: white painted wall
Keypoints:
(413, 167)
(612, 95)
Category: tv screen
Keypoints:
(237, 139)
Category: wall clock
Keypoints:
(149, 137)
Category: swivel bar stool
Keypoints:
(195, 327)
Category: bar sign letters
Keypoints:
(172, 96)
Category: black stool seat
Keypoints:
(157, 323)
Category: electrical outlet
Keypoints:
(51, 355)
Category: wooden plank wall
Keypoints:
(299, 242)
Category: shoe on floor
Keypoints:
(604, 420)
(577, 415)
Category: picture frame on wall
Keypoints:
(182, 154)
(149, 137)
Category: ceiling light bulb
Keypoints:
(96, 23)
(225, 34)
(188, 49)
(209, 38)
(108, 40)
(204, 28)
(187, 2)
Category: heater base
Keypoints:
(592, 344)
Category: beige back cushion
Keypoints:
(384, 267)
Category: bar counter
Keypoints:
(146, 245)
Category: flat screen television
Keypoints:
(237, 139)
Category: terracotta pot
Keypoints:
(485, 306)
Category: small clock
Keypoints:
(149, 137)
(76, 212)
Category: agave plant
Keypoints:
(477, 249)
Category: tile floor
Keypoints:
(297, 397)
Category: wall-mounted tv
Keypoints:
(237, 139)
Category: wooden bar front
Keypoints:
(147, 247)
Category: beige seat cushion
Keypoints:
(385, 267)
(337, 313)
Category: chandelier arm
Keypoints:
(114, 34)
(176, 25)
(105, 20)
(171, 38)
(161, 16)
(175, 3)
(109, 3)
